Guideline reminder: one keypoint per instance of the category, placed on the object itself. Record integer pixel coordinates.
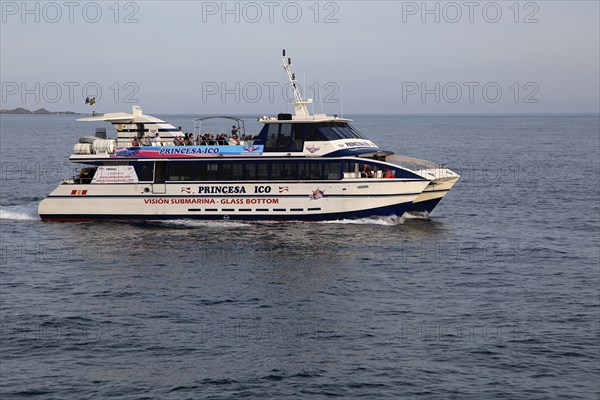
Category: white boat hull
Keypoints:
(431, 196)
(304, 201)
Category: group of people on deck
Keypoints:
(367, 172)
(188, 139)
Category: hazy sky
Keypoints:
(357, 56)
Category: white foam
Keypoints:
(20, 212)
(195, 223)
(416, 215)
(385, 221)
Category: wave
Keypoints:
(194, 223)
(385, 221)
(20, 212)
(416, 215)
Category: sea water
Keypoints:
(495, 295)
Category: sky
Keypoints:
(351, 57)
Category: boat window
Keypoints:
(302, 171)
(333, 170)
(231, 171)
(339, 130)
(329, 132)
(262, 171)
(187, 172)
(298, 133)
(86, 175)
(313, 134)
(160, 171)
(201, 172)
(272, 136)
(310, 171)
(181, 171)
(285, 137)
(211, 172)
(345, 133)
(250, 171)
(315, 171)
(144, 171)
(351, 167)
(355, 131)
(282, 171)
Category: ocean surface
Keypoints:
(495, 296)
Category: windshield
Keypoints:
(339, 130)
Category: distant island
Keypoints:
(21, 110)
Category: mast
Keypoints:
(299, 103)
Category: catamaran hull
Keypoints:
(394, 210)
(317, 201)
(431, 196)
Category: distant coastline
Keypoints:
(41, 111)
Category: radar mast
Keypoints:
(299, 103)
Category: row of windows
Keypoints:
(339, 130)
(248, 170)
(254, 171)
(291, 137)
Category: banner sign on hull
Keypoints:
(185, 151)
(115, 174)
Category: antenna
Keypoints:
(299, 102)
(320, 99)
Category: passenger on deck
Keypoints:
(233, 140)
(156, 139)
(388, 174)
(234, 130)
(135, 142)
(366, 172)
(192, 141)
(186, 139)
(178, 141)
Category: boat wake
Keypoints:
(20, 212)
(417, 215)
(384, 221)
(194, 223)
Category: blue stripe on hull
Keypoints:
(397, 210)
(424, 206)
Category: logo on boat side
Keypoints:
(317, 194)
(251, 149)
(313, 149)
(360, 144)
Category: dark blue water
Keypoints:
(495, 296)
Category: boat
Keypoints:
(299, 167)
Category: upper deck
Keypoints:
(142, 136)
(299, 135)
